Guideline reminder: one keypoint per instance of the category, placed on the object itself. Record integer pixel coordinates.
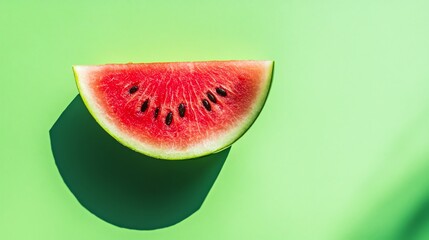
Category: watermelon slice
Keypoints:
(177, 110)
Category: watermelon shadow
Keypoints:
(123, 187)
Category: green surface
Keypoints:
(124, 187)
(340, 151)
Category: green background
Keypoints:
(340, 151)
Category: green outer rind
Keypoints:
(242, 131)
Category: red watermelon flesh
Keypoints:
(176, 110)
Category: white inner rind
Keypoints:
(216, 143)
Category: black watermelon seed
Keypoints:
(182, 110)
(133, 89)
(156, 112)
(221, 91)
(145, 105)
(169, 118)
(207, 105)
(211, 97)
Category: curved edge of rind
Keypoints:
(260, 107)
(90, 109)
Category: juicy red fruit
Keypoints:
(176, 106)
